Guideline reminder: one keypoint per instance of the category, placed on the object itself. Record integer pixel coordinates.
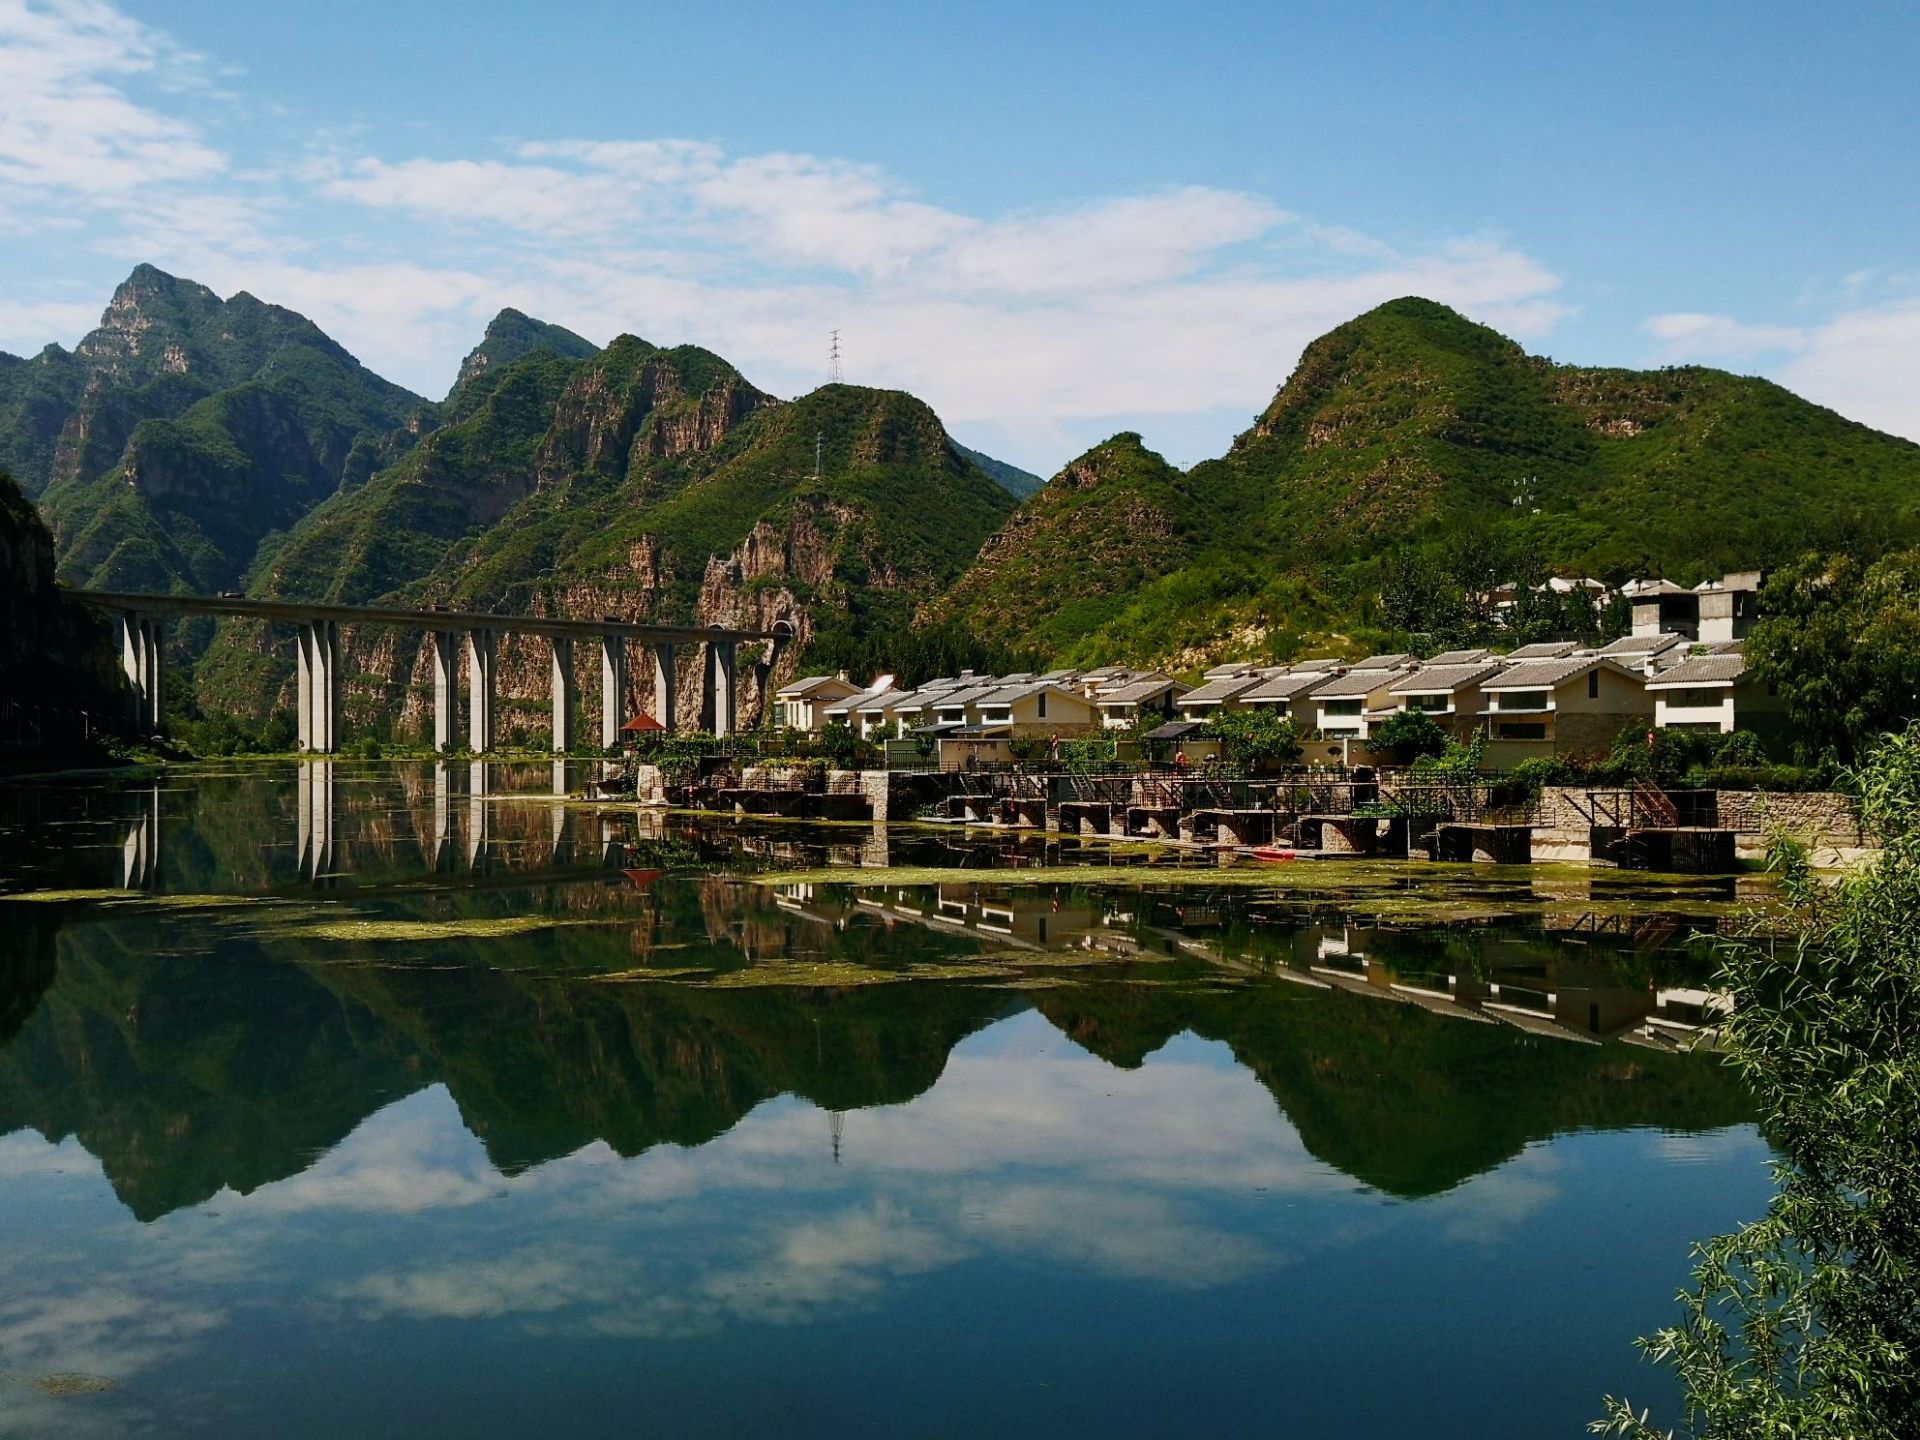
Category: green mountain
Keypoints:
(1011, 478)
(512, 336)
(53, 652)
(1413, 431)
(185, 429)
(656, 483)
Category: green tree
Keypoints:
(1255, 738)
(1840, 641)
(1410, 734)
(1806, 1323)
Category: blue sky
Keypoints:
(1050, 221)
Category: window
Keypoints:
(1519, 699)
(1043, 704)
(1696, 698)
(1593, 684)
(1341, 707)
(1439, 704)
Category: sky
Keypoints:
(1050, 221)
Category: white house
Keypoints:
(1571, 704)
(1715, 693)
(801, 705)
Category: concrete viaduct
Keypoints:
(139, 631)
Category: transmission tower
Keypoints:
(834, 375)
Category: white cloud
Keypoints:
(66, 120)
(1859, 360)
(1684, 335)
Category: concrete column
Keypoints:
(305, 659)
(613, 688)
(315, 808)
(153, 635)
(563, 694)
(719, 685)
(480, 690)
(442, 810)
(666, 685)
(446, 691)
(126, 634)
(330, 705)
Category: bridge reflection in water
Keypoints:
(456, 818)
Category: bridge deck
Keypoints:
(297, 613)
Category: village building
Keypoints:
(1344, 706)
(1715, 692)
(1573, 704)
(1712, 611)
(802, 704)
(1290, 695)
(1449, 692)
(1140, 703)
(1037, 707)
(1217, 695)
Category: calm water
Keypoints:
(484, 1116)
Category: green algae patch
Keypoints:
(377, 931)
(69, 897)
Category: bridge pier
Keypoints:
(141, 640)
(719, 700)
(480, 658)
(613, 689)
(317, 652)
(666, 685)
(563, 694)
(446, 691)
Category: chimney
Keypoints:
(841, 675)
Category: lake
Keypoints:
(406, 1100)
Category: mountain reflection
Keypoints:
(187, 1074)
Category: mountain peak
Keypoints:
(513, 335)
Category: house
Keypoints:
(1217, 695)
(1715, 692)
(878, 712)
(1037, 707)
(1450, 693)
(1646, 653)
(958, 705)
(1147, 701)
(1714, 610)
(1290, 694)
(1574, 704)
(801, 705)
(1343, 706)
(846, 711)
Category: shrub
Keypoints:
(1530, 777)
(1740, 748)
(1255, 737)
(1410, 734)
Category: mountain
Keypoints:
(53, 652)
(186, 428)
(1011, 478)
(641, 481)
(1412, 431)
(512, 336)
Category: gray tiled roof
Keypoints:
(1542, 674)
(1442, 679)
(1355, 683)
(1641, 645)
(969, 695)
(1383, 662)
(1230, 669)
(1288, 687)
(1701, 670)
(1216, 691)
(1544, 650)
(807, 685)
(881, 699)
(1450, 658)
(1138, 691)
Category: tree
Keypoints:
(1410, 734)
(1840, 641)
(1806, 1323)
(1255, 737)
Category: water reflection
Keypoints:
(586, 1110)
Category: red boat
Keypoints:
(1272, 854)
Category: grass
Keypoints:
(376, 931)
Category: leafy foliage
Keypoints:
(1840, 639)
(1255, 737)
(1806, 1323)
(1410, 734)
